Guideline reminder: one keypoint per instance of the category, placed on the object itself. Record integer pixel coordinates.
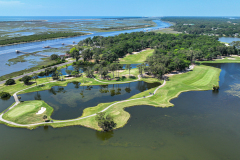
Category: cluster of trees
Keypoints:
(105, 122)
(172, 52)
(109, 49)
(42, 36)
(206, 25)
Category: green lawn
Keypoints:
(136, 58)
(167, 31)
(201, 78)
(25, 112)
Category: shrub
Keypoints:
(105, 122)
(5, 95)
(26, 79)
(41, 74)
(10, 82)
(54, 57)
(215, 88)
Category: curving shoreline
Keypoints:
(71, 120)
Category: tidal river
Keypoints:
(203, 125)
(9, 52)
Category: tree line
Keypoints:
(42, 36)
(172, 52)
(206, 25)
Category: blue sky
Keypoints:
(119, 7)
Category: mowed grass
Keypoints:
(25, 112)
(201, 78)
(167, 31)
(136, 58)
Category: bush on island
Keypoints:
(105, 122)
(215, 87)
(5, 95)
(10, 82)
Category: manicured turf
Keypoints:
(167, 31)
(136, 58)
(25, 112)
(201, 78)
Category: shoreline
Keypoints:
(89, 33)
(117, 108)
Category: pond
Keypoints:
(228, 39)
(203, 125)
(70, 101)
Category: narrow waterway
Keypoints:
(202, 125)
(9, 52)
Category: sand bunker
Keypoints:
(43, 109)
(232, 58)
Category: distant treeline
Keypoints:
(172, 52)
(206, 25)
(43, 36)
(126, 27)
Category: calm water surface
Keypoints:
(229, 39)
(203, 125)
(8, 52)
(70, 101)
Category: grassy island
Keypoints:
(40, 37)
(201, 78)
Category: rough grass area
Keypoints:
(25, 112)
(136, 58)
(230, 59)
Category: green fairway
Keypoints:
(25, 112)
(201, 78)
(136, 58)
(167, 31)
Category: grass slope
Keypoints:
(167, 31)
(136, 58)
(25, 112)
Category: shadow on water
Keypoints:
(70, 101)
(104, 135)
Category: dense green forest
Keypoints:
(43, 36)
(172, 52)
(218, 26)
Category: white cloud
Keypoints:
(10, 3)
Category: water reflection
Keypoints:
(104, 135)
(70, 101)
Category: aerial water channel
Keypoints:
(9, 52)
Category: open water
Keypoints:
(203, 125)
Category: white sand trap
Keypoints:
(43, 109)
(232, 58)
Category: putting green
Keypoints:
(24, 108)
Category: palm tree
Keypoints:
(129, 67)
(35, 76)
